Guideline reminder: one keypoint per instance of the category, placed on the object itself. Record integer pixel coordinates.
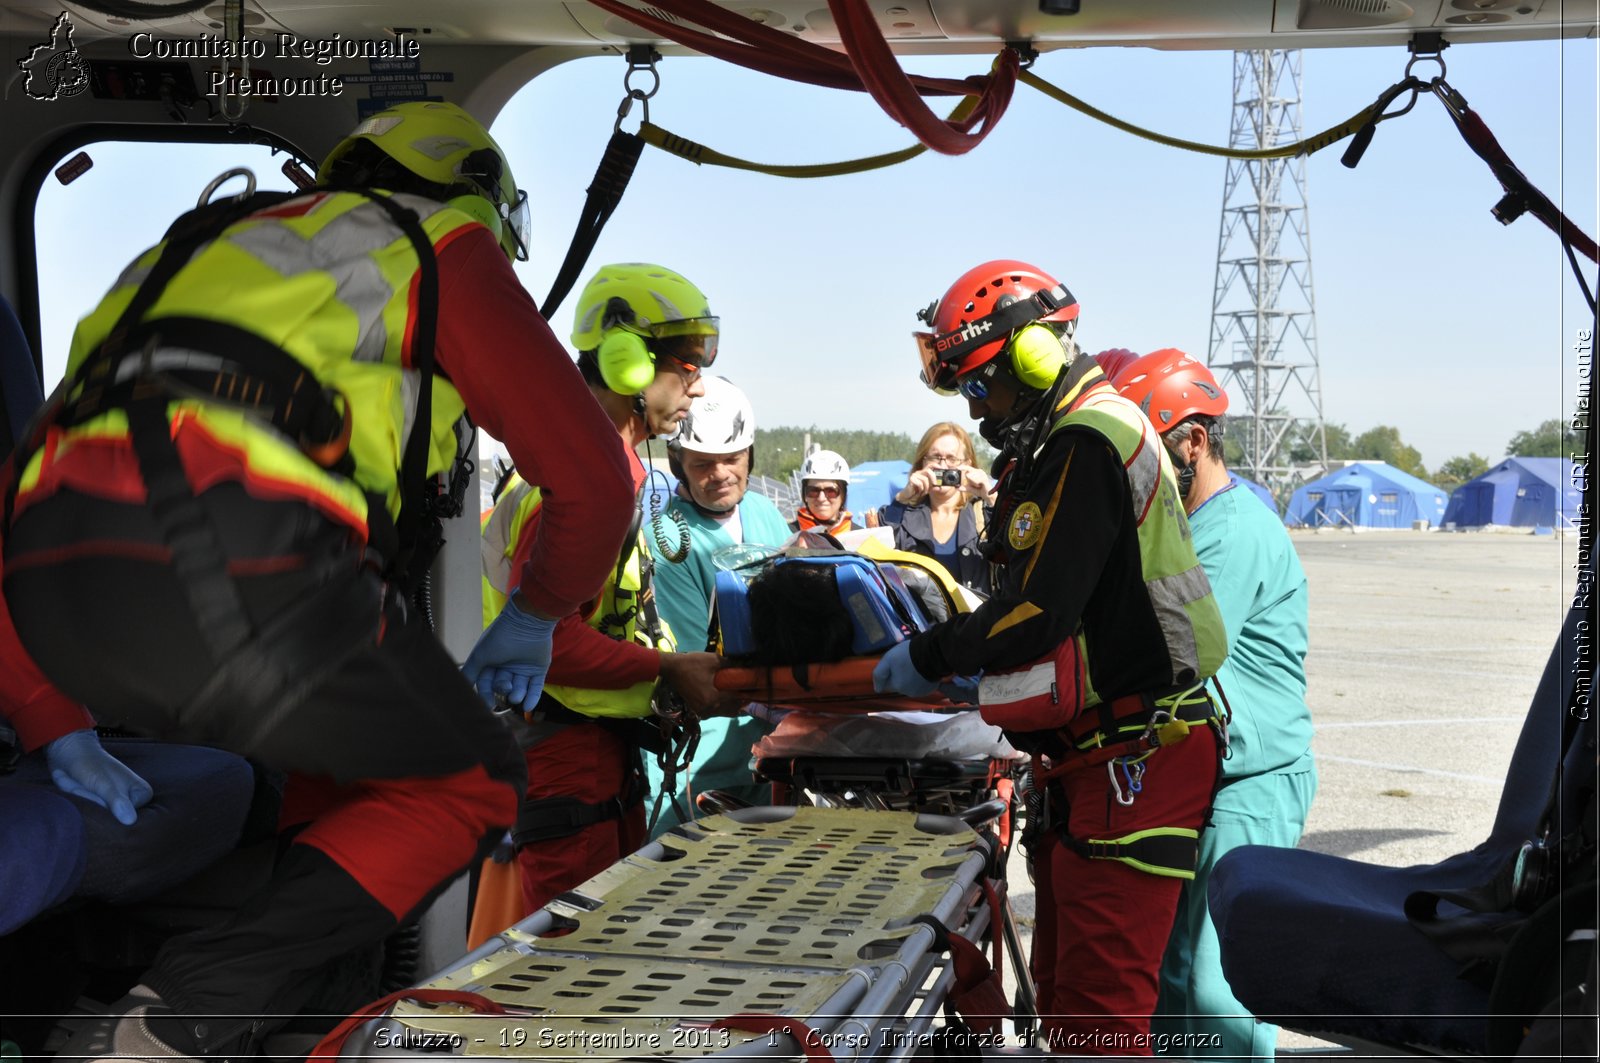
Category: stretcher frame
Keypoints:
(804, 913)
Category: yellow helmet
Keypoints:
(629, 310)
(446, 146)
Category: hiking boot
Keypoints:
(124, 1032)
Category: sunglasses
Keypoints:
(972, 387)
(825, 490)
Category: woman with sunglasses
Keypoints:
(940, 512)
(824, 487)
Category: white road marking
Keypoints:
(1410, 769)
(1417, 723)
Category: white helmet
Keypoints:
(825, 465)
(719, 422)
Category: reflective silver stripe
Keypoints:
(1144, 475)
(167, 359)
(1004, 688)
(344, 249)
(409, 379)
(1168, 596)
(1144, 471)
(134, 274)
(497, 538)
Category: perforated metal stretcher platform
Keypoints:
(802, 913)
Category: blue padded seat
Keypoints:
(1322, 944)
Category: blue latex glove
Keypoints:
(511, 657)
(895, 672)
(962, 690)
(81, 767)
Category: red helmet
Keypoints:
(1169, 386)
(1114, 361)
(980, 311)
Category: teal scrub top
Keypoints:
(1261, 590)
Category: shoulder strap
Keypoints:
(417, 527)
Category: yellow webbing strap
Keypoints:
(1332, 135)
(1168, 852)
(701, 155)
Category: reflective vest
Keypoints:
(1179, 592)
(804, 521)
(328, 279)
(615, 613)
(1050, 692)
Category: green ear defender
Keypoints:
(626, 364)
(1037, 356)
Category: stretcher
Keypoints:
(769, 932)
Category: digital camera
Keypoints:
(949, 478)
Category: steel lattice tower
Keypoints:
(1263, 345)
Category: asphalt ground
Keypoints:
(1425, 651)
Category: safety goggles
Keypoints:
(942, 353)
(517, 220)
(690, 342)
(937, 375)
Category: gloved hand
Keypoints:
(895, 672)
(511, 657)
(80, 766)
(962, 690)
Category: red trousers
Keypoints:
(1102, 924)
(587, 762)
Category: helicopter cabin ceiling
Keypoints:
(912, 26)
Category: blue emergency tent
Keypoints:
(1255, 489)
(1366, 494)
(1518, 493)
(875, 483)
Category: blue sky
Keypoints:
(1431, 316)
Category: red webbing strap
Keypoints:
(778, 62)
(869, 64)
(880, 72)
(994, 890)
(333, 1044)
(976, 993)
(977, 996)
(1486, 147)
(809, 1040)
(764, 48)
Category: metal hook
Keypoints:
(1430, 57)
(1122, 799)
(641, 57)
(222, 178)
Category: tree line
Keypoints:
(1552, 439)
(781, 450)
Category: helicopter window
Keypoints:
(87, 231)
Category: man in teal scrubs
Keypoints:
(1268, 778)
(712, 456)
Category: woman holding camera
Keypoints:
(939, 512)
